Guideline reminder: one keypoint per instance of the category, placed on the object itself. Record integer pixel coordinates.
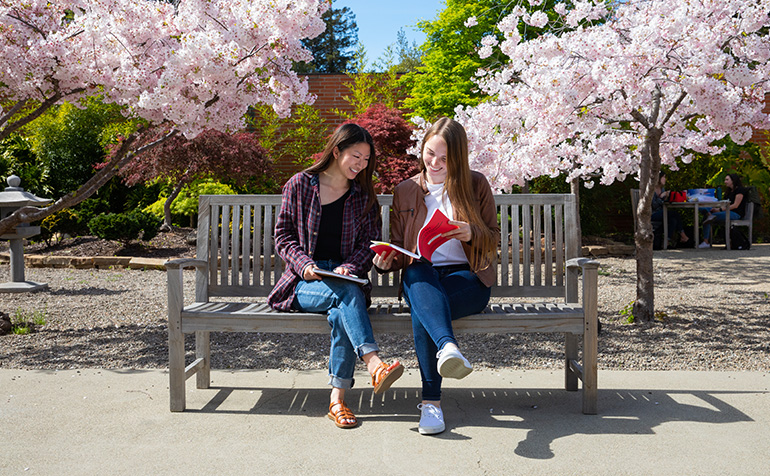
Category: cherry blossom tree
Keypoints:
(615, 92)
(188, 66)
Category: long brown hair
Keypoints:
(736, 179)
(348, 135)
(459, 188)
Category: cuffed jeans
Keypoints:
(344, 303)
(437, 296)
(719, 217)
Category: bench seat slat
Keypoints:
(385, 318)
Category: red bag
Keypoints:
(677, 196)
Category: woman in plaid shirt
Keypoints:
(329, 215)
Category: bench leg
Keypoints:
(203, 351)
(590, 389)
(590, 340)
(571, 353)
(176, 366)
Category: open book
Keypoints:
(332, 274)
(428, 239)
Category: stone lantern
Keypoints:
(13, 198)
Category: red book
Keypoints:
(428, 239)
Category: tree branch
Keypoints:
(122, 156)
(30, 25)
(673, 108)
(13, 110)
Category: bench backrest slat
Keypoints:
(538, 234)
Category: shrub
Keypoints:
(392, 137)
(125, 227)
(55, 226)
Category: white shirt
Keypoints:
(450, 252)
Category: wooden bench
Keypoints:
(236, 264)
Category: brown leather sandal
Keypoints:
(384, 376)
(342, 416)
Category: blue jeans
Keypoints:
(345, 306)
(437, 296)
(719, 217)
(674, 221)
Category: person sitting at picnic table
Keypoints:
(736, 194)
(674, 219)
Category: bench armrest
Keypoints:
(582, 263)
(175, 282)
(182, 263)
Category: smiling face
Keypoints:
(352, 160)
(434, 156)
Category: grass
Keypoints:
(22, 322)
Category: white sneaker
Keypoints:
(704, 245)
(452, 364)
(431, 419)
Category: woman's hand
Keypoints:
(308, 274)
(341, 270)
(462, 232)
(384, 260)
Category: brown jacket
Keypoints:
(410, 211)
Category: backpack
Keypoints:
(738, 240)
(753, 197)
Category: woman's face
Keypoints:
(728, 181)
(353, 160)
(434, 156)
(662, 180)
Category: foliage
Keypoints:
(125, 227)
(17, 158)
(55, 227)
(449, 60)
(186, 204)
(392, 138)
(298, 137)
(370, 88)
(67, 142)
(400, 57)
(333, 49)
(212, 153)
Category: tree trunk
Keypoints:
(167, 226)
(574, 188)
(644, 306)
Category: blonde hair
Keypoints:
(459, 188)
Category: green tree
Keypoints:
(297, 137)
(68, 142)
(401, 56)
(333, 50)
(449, 55)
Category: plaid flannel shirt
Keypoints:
(296, 234)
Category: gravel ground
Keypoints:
(714, 310)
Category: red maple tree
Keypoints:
(212, 154)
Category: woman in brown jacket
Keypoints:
(457, 284)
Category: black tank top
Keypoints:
(328, 246)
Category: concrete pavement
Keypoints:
(273, 422)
